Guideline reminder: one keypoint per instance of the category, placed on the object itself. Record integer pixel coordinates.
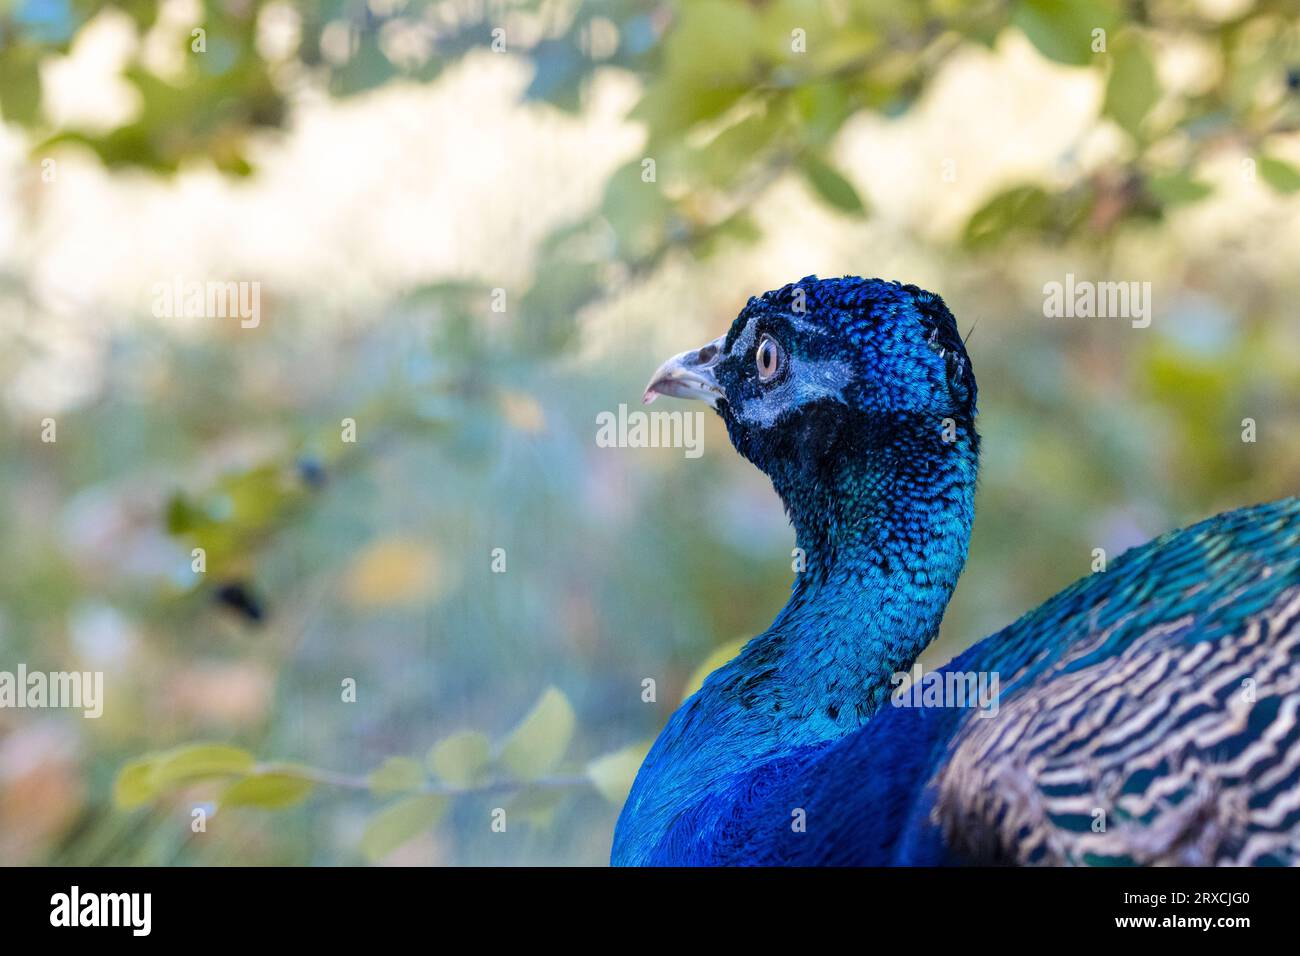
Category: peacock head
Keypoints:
(823, 375)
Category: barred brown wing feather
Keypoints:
(1180, 749)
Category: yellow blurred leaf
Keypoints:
(535, 807)
(399, 822)
(393, 571)
(459, 758)
(134, 784)
(273, 790)
(396, 775)
(144, 778)
(614, 773)
(541, 739)
(1281, 175)
(195, 761)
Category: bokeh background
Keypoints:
(388, 172)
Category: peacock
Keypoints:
(1145, 715)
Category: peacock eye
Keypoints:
(769, 358)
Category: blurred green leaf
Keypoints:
(714, 42)
(366, 69)
(194, 761)
(273, 790)
(1282, 176)
(739, 229)
(822, 109)
(636, 208)
(1017, 208)
(731, 153)
(183, 516)
(831, 185)
(396, 775)
(134, 784)
(400, 822)
(541, 739)
(20, 83)
(143, 12)
(1062, 30)
(459, 758)
(1172, 189)
(1132, 88)
(256, 496)
(672, 104)
(702, 76)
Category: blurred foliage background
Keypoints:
(392, 173)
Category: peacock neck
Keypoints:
(883, 535)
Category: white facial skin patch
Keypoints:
(805, 380)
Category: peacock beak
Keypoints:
(689, 375)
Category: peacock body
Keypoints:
(1145, 715)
